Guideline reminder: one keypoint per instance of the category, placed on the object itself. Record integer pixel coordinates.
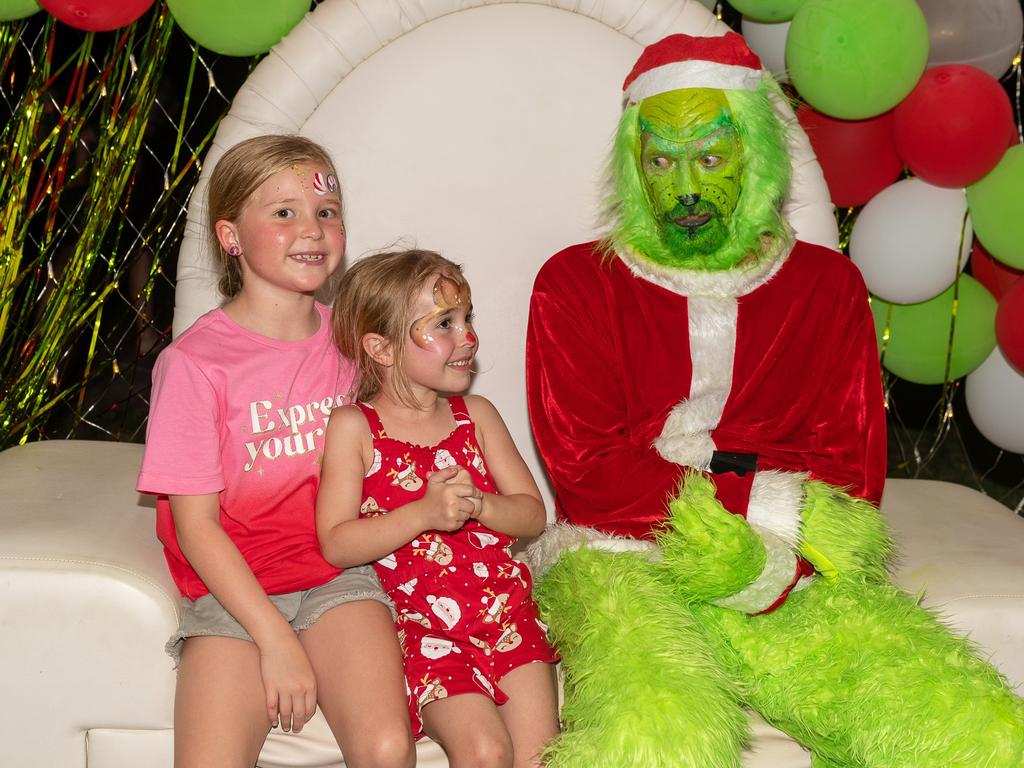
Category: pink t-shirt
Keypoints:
(243, 415)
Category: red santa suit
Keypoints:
(635, 372)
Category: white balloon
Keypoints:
(983, 33)
(995, 402)
(905, 240)
(768, 41)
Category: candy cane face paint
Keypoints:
(444, 342)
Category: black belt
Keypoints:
(727, 461)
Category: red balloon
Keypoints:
(1010, 325)
(990, 272)
(951, 129)
(97, 15)
(858, 156)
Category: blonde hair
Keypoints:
(375, 295)
(238, 174)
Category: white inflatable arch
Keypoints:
(472, 127)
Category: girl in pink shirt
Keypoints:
(268, 628)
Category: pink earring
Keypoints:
(234, 250)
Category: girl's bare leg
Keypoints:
(220, 717)
(470, 730)
(531, 712)
(355, 655)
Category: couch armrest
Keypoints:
(86, 603)
(965, 552)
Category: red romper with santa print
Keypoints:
(465, 614)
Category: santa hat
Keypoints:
(683, 61)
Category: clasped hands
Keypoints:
(451, 499)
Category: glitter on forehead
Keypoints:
(322, 182)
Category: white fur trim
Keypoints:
(728, 283)
(685, 438)
(779, 572)
(557, 538)
(776, 499)
(693, 74)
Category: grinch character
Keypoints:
(705, 392)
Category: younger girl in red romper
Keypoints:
(410, 481)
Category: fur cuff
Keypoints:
(693, 450)
(777, 576)
(776, 499)
(557, 538)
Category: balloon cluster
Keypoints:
(230, 27)
(895, 85)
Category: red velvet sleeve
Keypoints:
(850, 420)
(603, 477)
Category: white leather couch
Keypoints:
(86, 605)
(478, 128)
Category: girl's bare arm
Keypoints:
(287, 675)
(518, 509)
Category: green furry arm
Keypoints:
(710, 552)
(844, 537)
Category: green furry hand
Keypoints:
(844, 537)
(709, 552)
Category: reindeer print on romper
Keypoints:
(463, 603)
(404, 475)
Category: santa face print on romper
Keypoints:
(446, 609)
(444, 342)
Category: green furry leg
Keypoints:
(867, 679)
(850, 667)
(641, 688)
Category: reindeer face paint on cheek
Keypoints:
(449, 296)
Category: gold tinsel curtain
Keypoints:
(102, 138)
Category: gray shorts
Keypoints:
(207, 617)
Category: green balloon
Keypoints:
(854, 59)
(767, 10)
(12, 10)
(237, 27)
(918, 342)
(995, 203)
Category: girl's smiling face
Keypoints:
(444, 342)
(290, 233)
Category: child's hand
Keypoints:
(463, 477)
(289, 683)
(448, 503)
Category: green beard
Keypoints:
(691, 242)
(764, 180)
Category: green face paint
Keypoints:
(690, 162)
